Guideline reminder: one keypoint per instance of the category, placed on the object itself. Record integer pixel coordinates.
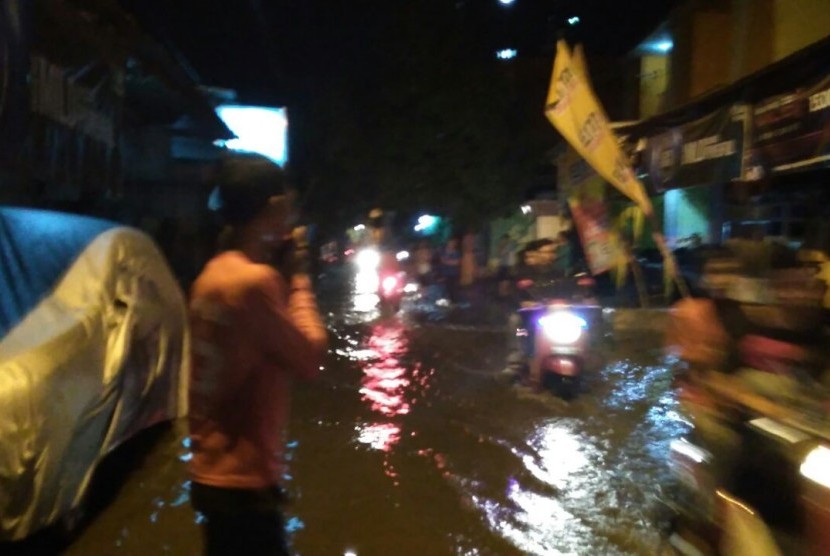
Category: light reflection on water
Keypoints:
(366, 303)
(384, 384)
(364, 293)
(535, 518)
(588, 479)
(380, 436)
(559, 455)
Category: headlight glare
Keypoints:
(562, 327)
(816, 466)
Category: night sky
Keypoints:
(245, 44)
(397, 102)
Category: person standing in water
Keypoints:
(255, 330)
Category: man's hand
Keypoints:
(294, 257)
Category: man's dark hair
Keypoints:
(245, 184)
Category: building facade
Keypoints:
(728, 108)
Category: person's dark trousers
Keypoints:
(453, 288)
(241, 522)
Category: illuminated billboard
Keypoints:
(259, 129)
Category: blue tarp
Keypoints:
(36, 248)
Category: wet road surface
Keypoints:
(411, 443)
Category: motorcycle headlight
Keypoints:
(816, 466)
(562, 327)
(368, 259)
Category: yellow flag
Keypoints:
(576, 113)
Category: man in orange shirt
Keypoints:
(255, 330)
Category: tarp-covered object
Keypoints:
(92, 351)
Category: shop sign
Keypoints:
(792, 130)
(706, 151)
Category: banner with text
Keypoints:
(585, 192)
(793, 130)
(707, 151)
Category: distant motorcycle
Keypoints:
(391, 291)
(554, 331)
(378, 276)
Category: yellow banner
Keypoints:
(574, 110)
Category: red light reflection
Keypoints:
(384, 385)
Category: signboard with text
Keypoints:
(703, 152)
(792, 130)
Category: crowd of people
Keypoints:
(461, 264)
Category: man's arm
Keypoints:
(292, 332)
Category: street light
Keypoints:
(573, 20)
(506, 2)
(664, 45)
(506, 53)
(425, 223)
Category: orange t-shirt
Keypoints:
(250, 338)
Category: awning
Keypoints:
(155, 83)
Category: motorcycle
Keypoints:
(778, 501)
(553, 332)
(376, 275)
(753, 476)
(391, 291)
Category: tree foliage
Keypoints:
(421, 114)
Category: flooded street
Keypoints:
(412, 444)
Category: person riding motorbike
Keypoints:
(746, 318)
(752, 352)
(539, 281)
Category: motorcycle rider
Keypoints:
(536, 265)
(752, 342)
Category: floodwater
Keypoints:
(410, 443)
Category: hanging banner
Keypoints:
(793, 130)
(706, 151)
(574, 110)
(585, 192)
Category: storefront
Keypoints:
(789, 167)
(690, 165)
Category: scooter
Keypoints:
(553, 330)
